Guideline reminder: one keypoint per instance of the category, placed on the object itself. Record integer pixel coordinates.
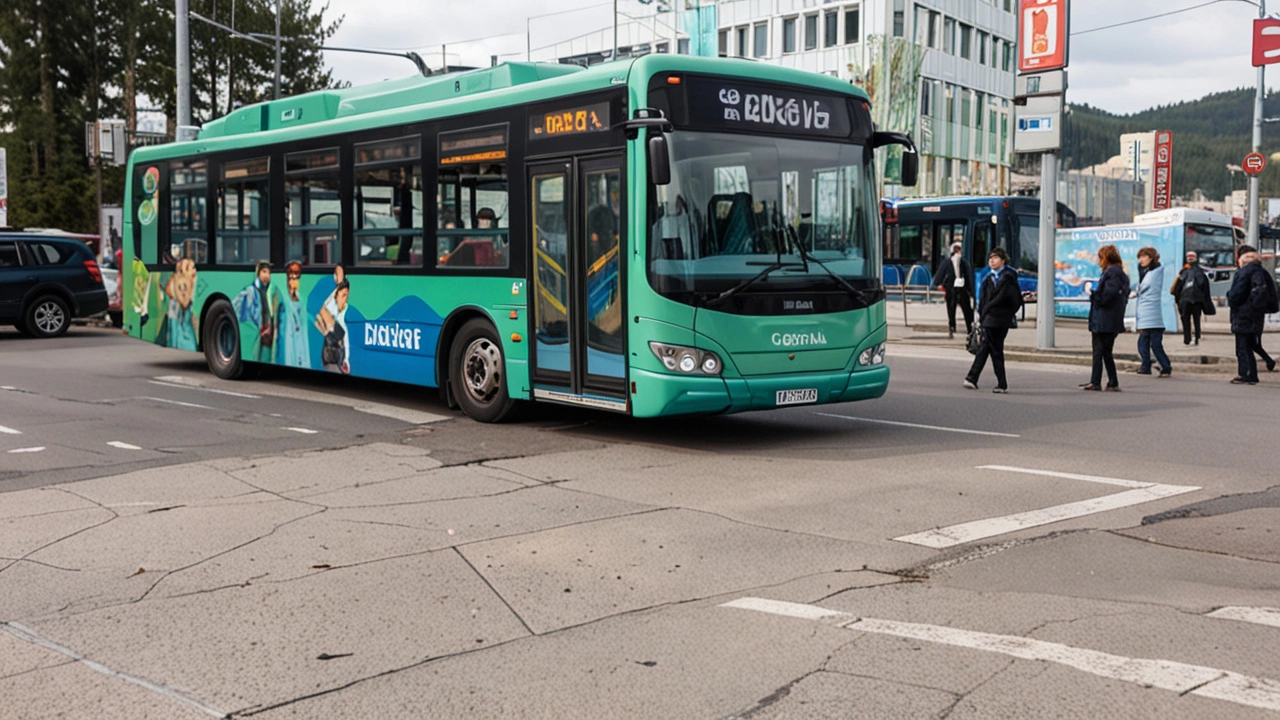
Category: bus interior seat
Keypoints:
(735, 226)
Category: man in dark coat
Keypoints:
(1252, 293)
(955, 279)
(1192, 297)
(1001, 301)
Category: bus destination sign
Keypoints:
(767, 109)
(577, 120)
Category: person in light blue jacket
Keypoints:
(1148, 315)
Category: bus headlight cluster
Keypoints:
(872, 356)
(687, 359)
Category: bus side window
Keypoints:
(981, 244)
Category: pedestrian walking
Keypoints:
(1192, 297)
(1262, 353)
(1251, 297)
(1148, 314)
(1000, 301)
(955, 279)
(1106, 317)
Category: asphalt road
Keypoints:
(301, 545)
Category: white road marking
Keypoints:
(176, 402)
(27, 450)
(123, 445)
(189, 386)
(916, 425)
(23, 633)
(1141, 492)
(1177, 677)
(1257, 615)
(1069, 476)
(9, 430)
(413, 417)
(304, 431)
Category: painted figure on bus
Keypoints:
(332, 324)
(295, 351)
(181, 290)
(259, 306)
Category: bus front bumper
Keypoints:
(659, 394)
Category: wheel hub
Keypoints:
(482, 369)
(49, 317)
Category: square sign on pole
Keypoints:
(1266, 41)
(1042, 35)
(1038, 125)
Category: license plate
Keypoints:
(797, 397)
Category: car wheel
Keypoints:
(47, 317)
(222, 341)
(478, 373)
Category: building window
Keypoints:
(949, 36)
(966, 107)
(966, 42)
(851, 18)
(761, 39)
(935, 31)
(830, 27)
(899, 23)
(1008, 57)
(741, 37)
(924, 98)
(810, 32)
(789, 35)
(662, 48)
(724, 43)
(982, 47)
(388, 202)
(682, 46)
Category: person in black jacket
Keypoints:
(1001, 300)
(1192, 297)
(1252, 290)
(955, 279)
(1106, 317)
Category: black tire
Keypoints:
(478, 373)
(49, 316)
(21, 327)
(221, 335)
(117, 318)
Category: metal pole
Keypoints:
(277, 87)
(1046, 305)
(528, 42)
(182, 32)
(615, 31)
(1252, 213)
(444, 59)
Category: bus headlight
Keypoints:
(872, 356)
(686, 359)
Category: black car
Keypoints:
(46, 279)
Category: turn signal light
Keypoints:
(515, 337)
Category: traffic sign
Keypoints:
(1266, 41)
(1042, 35)
(1254, 163)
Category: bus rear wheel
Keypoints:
(478, 373)
(222, 341)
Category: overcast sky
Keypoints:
(1127, 69)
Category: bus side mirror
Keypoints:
(910, 168)
(659, 158)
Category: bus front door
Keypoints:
(576, 215)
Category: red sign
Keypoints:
(1254, 163)
(1266, 42)
(1162, 172)
(1042, 35)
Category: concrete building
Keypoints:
(942, 70)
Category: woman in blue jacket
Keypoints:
(1106, 317)
(1148, 315)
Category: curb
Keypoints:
(1197, 364)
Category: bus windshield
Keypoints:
(738, 204)
(1214, 244)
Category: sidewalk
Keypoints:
(926, 324)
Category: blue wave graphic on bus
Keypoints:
(400, 345)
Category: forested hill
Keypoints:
(1208, 134)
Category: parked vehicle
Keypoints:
(47, 277)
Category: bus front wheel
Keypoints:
(222, 341)
(478, 373)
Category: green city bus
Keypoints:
(657, 236)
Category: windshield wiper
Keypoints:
(748, 282)
(805, 255)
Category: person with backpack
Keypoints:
(997, 311)
(1148, 314)
(1251, 297)
(1192, 297)
(1106, 317)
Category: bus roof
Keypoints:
(1182, 215)
(416, 98)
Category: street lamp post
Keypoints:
(1252, 212)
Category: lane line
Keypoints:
(123, 445)
(185, 386)
(1257, 615)
(403, 414)
(176, 402)
(979, 529)
(9, 430)
(304, 431)
(924, 427)
(27, 450)
(1069, 476)
(28, 635)
(1169, 675)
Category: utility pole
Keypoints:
(615, 31)
(277, 88)
(183, 49)
(1046, 297)
(1252, 212)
